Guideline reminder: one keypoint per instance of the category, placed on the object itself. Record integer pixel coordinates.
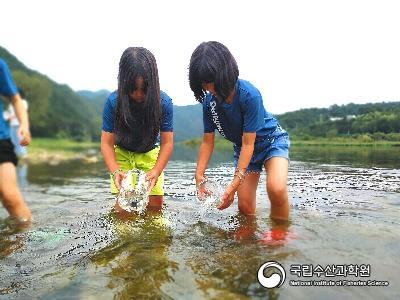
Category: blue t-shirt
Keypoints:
(7, 89)
(246, 113)
(166, 118)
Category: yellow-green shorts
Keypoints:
(128, 160)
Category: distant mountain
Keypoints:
(95, 100)
(188, 122)
(101, 94)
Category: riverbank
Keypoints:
(55, 151)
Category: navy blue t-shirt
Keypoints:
(166, 118)
(8, 89)
(246, 113)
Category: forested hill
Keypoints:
(95, 99)
(55, 110)
(372, 118)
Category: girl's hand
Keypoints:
(152, 177)
(201, 191)
(25, 135)
(228, 196)
(118, 177)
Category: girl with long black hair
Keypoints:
(137, 131)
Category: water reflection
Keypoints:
(62, 173)
(11, 242)
(77, 247)
(226, 261)
(364, 156)
(11, 237)
(137, 261)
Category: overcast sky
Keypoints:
(299, 54)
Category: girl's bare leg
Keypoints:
(277, 173)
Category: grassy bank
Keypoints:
(222, 144)
(42, 149)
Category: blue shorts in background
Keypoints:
(264, 150)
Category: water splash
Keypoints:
(211, 194)
(134, 195)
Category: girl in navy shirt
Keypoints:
(137, 131)
(234, 107)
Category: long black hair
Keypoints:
(137, 123)
(212, 62)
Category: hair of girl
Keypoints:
(138, 62)
(212, 62)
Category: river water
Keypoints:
(344, 206)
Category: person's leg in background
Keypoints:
(10, 194)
